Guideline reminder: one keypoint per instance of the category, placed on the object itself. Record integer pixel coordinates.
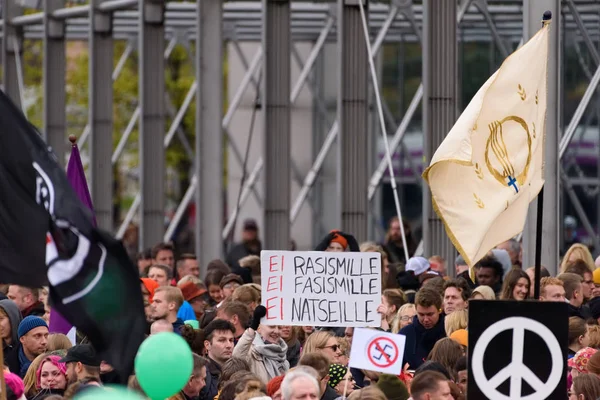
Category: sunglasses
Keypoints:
(334, 347)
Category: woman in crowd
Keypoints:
(266, 352)
(406, 313)
(447, 352)
(290, 336)
(391, 301)
(337, 241)
(30, 378)
(455, 321)
(483, 292)
(577, 251)
(323, 342)
(51, 376)
(340, 379)
(516, 285)
(213, 283)
(578, 335)
(585, 387)
(388, 271)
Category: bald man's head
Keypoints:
(161, 325)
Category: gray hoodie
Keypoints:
(14, 315)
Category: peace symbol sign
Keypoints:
(517, 370)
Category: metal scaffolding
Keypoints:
(152, 28)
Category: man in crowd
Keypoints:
(513, 247)
(33, 336)
(188, 265)
(166, 303)
(27, 299)
(250, 245)
(531, 274)
(161, 274)
(164, 253)
(299, 385)
(196, 383)
(574, 295)
(237, 313)
(552, 289)
(160, 325)
(10, 318)
(489, 272)
(580, 268)
(430, 385)
(320, 363)
(82, 365)
(393, 241)
(426, 329)
(218, 341)
(456, 295)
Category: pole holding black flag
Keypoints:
(540, 212)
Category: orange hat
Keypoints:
(151, 286)
(461, 336)
(190, 291)
(274, 385)
(597, 276)
(337, 238)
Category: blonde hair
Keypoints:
(594, 332)
(455, 321)
(191, 278)
(30, 378)
(316, 342)
(486, 291)
(172, 294)
(58, 341)
(581, 252)
(247, 294)
(396, 322)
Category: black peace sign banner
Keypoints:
(47, 237)
(517, 350)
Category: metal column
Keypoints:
(12, 48)
(440, 71)
(353, 117)
(209, 134)
(276, 41)
(152, 121)
(101, 114)
(533, 11)
(54, 81)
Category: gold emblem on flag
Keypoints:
(500, 153)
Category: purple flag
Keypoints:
(76, 177)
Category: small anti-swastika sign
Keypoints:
(377, 351)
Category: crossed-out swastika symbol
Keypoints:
(382, 352)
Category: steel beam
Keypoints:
(101, 113)
(12, 43)
(353, 117)
(533, 11)
(54, 81)
(152, 121)
(568, 186)
(209, 165)
(276, 82)
(440, 71)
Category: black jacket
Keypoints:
(420, 341)
(330, 394)
(213, 374)
(238, 252)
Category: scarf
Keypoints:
(273, 356)
(23, 361)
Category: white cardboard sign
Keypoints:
(321, 288)
(377, 351)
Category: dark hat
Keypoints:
(250, 225)
(230, 278)
(30, 322)
(83, 353)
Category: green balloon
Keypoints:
(111, 392)
(163, 365)
(193, 323)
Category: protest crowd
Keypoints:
(237, 358)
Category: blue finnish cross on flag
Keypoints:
(513, 182)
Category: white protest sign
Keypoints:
(377, 351)
(321, 288)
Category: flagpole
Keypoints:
(540, 213)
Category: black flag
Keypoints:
(47, 236)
